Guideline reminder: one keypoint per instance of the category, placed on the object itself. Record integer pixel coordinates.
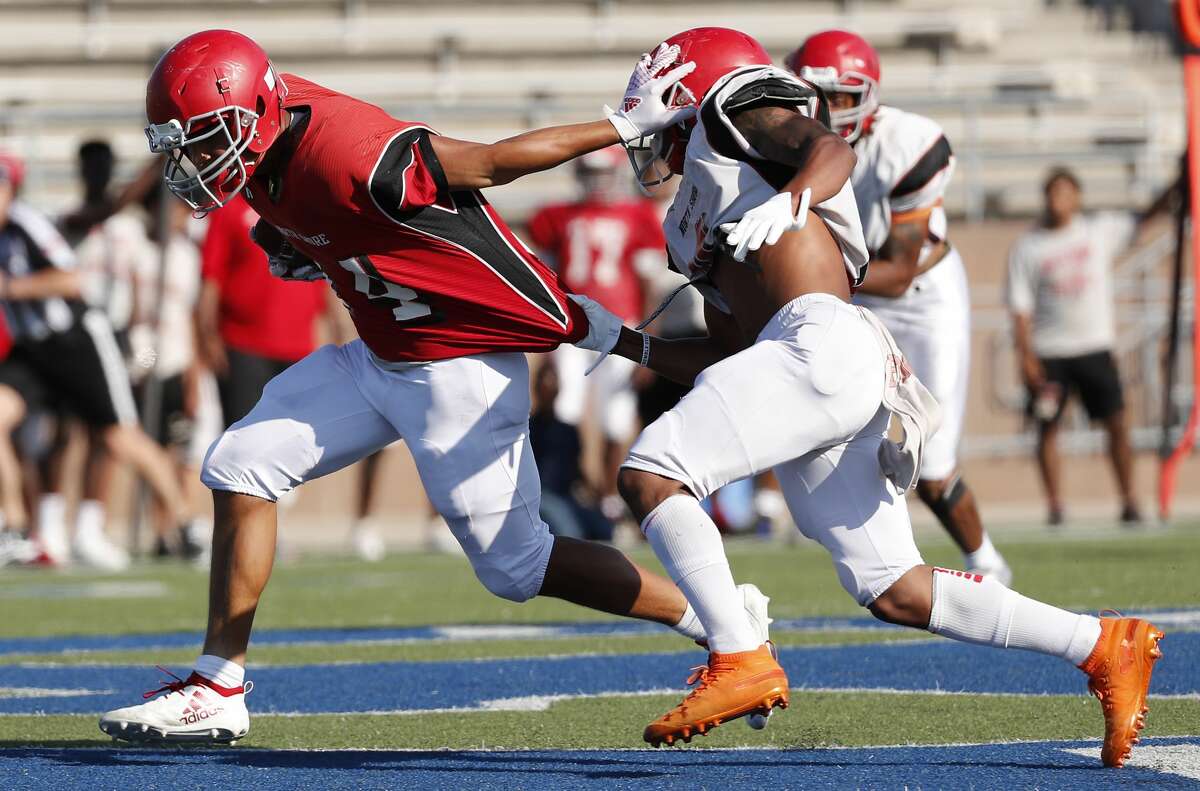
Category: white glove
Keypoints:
(765, 223)
(604, 327)
(643, 111)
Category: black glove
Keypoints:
(283, 260)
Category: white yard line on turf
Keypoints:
(1176, 759)
(40, 692)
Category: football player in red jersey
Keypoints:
(605, 245)
(446, 300)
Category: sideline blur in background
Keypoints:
(1019, 87)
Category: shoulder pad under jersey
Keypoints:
(777, 92)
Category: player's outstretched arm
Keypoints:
(682, 359)
(470, 165)
(477, 165)
(823, 160)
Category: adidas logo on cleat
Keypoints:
(197, 712)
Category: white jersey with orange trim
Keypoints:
(904, 166)
(724, 177)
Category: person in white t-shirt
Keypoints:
(121, 262)
(1060, 295)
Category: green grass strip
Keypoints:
(1143, 569)
(448, 651)
(814, 720)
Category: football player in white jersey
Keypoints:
(916, 283)
(793, 377)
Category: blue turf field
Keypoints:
(1042, 765)
(14, 645)
(390, 686)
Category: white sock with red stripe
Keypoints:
(689, 546)
(220, 671)
(977, 609)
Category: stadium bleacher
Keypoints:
(1016, 85)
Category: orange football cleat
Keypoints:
(1118, 671)
(730, 686)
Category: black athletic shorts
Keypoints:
(80, 371)
(174, 427)
(1093, 377)
(242, 386)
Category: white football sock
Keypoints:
(689, 625)
(52, 508)
(89, 519)
(689, 546)
(220, 671)
(978, 609)
(52, 526)
(986, 557)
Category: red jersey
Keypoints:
(427, 273)
(598, 247)
(259, 314)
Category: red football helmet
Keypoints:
(12, 170)
(716, 51)
(215, 104)
(838, 61)
(598, 174)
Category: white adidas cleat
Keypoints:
(194, 711)
(755, 602)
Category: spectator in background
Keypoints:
(163, 345)
(557, 450)
(250, 326)
(96, 163)
(604, 245)
(64, 350)
(1059, 292)
(15, 546)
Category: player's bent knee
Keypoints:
(515, 578)
(942, 496)
(643, 490)
(233, 464)
(632, 484)
(908, 601)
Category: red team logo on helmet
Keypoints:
(716, 51)
(838, 61)
(215, 105)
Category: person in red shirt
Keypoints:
(605, 245)
(446, 301)
(250, 325)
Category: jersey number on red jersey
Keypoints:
(400, 299)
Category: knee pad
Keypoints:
(517, 579)
(944, 505)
